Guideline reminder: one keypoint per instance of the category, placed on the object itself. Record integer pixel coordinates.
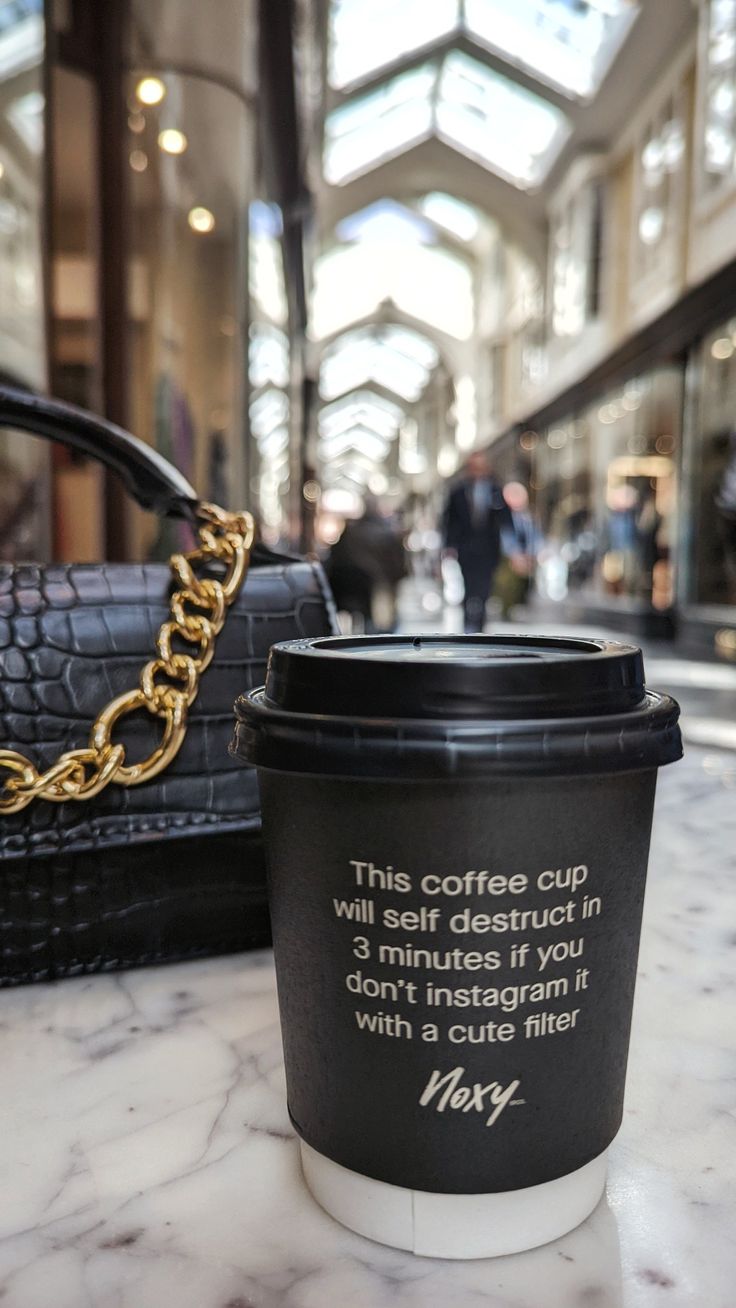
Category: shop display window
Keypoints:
(561, 487)
(605, 487)
(188, 297)
(713, 448)
(635, 440)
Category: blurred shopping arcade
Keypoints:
(315, 251)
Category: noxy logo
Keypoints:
(462, 1098)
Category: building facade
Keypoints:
(629, 422)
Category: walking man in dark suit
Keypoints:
(475, 515)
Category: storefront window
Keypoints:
(561, 487)
(605, 492)
(635, 435)
(188, 289)
(714, 535)
(191, 151)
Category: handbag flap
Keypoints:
(72, 637)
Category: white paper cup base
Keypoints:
(454, 1225)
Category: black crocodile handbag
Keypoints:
(128, 835)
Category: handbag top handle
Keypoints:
(169, 682)
(152, 481)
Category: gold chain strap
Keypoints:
(168, 684)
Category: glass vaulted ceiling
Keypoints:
(361, 408)
(476, 110)
(568, 44)
(389, 253)
(358, 429)
(454, 216)
(395, 358)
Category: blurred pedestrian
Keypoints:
(365, 567)
(620, 561)
(474, 517)
(520, 544)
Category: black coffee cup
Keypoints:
(457, 832)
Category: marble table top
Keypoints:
(146, 1156)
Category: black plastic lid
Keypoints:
(422, 705)
(454, 676)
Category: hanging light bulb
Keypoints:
(172, 141)
(200, 219)
(150, 90)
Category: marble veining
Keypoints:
(146, 1156)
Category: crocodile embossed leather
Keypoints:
(170, 868)
(198, 611)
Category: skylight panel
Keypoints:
(375, 127)
(411, 344)
(456, 217)
(362, 408)
(362, 43)
(390, 361)
(565, 43)
(25, 115)
(268, 356)
(266, 276)
(386, 220)
(274, 446)
(483, 114)
(494, 120)
(21, 37)
(428, 283)
(357, 438)
(393, 372)
(269, 411)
